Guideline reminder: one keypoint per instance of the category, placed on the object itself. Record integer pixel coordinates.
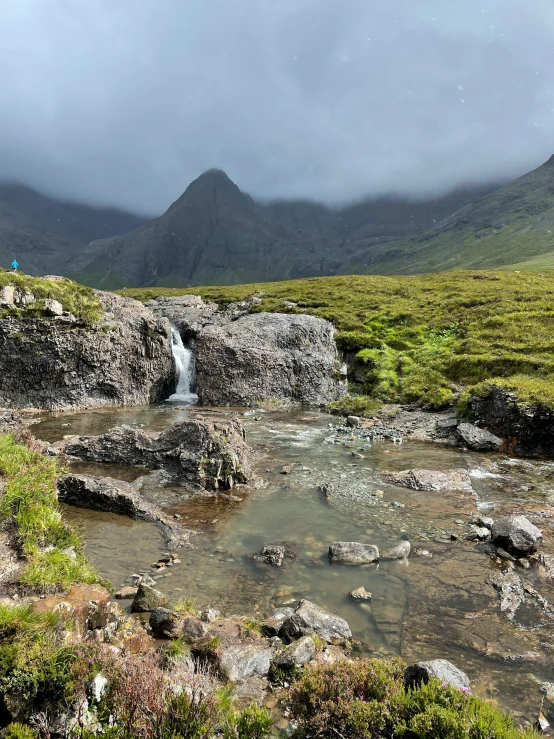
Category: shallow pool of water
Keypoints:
(428, 607)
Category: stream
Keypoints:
(436, 604)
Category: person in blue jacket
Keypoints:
(15, 265)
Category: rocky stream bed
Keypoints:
(316, 481)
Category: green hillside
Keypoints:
(512, 225)
(423, 338)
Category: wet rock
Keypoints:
(297, 654)
(516, 534)
(440, 669)
(268, 357)
(512, 593)
(527, 429)
(203, 452)
(431, 480)
(274, 554)
(286, 469)
(126, 592)
(478, 439)
(352, 552)
(354, 421)
(308, 618)
(478, 533)
(484, 521)
(147, 599)
(400, 551)
(166, 623)
(117, 496)
(125, 359)
(360, 594)
(349, 491)
(240, 662)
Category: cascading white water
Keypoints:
(184, 364)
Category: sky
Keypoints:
(124, 102)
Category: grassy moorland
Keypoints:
(423, 338)
(75, 298)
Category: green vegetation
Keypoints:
(52, 549)
(75, 298)
(420, 338)
(367, 699)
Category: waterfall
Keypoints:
(184, 364)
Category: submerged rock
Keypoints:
(400, 551)
(352, 552)
(268, 357)
(204, 452)
(440, 669)
(516, 535)
(360, 594)
(58, 363)
(478, 439)
(512, 593)
(308, 618)
(431, 480)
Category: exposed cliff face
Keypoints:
(245, 358)
(55, 362)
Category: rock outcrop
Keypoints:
(525, 429)
(205, 453)
(268, 357)
(55, 362)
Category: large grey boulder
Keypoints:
(268, 357)
(297, 654)
(478, 439)
(440, 669)
(353, 553)
(58, 363)
(204, 452)
(431, 480)
(308, 618)
(240, 662)
(516, 535)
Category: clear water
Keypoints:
(429, 607)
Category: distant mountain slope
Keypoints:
(509, 226)
(215, 234)
(42, 233)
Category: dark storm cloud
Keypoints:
(125, 101)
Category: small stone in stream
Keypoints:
(286, 469)
(357, 455)
(396, 504)
(511, 590)
(127, 591)
(147, 599)
(352, 552)
(524, 563)
(516, 534)
(478, 533)
(442, 670)
(419, 552)
(503, 554)
(454, 537)
(541, 724)
(209, 615)
(484, 521)
(272, 554)
(176, 561)
(146, 580)
(459, 522)
(360, 594)
(400, 551)
(177, 516)
(297, 654)
(354, 421)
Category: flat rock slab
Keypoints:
(457, 479)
